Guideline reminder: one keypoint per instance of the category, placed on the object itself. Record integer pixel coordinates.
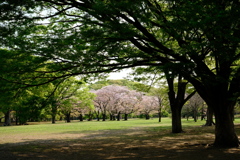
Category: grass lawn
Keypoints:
(132, 139)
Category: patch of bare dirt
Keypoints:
(134, 144)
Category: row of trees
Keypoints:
(73, 97)
(52, 99)
(117, 100)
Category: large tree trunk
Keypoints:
(177, 101)
(176, 120)
(176, 113)
(225, 135)
(222, 104)
(7, 120)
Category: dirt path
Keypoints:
(134, 144)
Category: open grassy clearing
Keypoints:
(133, 139)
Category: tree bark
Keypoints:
(176, 120)
(104, 117)
(17, 118)
(225, 135)
(125, 117)
(118, 116)
(53, 119)
(98, 115)
(177, 101)
(90, 116)
(203, 114)
(111, 117)
(222, 103)
(68, 117)
(195, 115)
(159, 117)
(147, 116)
(7, 120)
(209, 121)
(81, 117)
(54, 112)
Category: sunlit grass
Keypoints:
(80, 126)
(94, 126)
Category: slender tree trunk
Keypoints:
(111, 117)
(98, 118)
(104, 117)
(81, 117)
(202, 114)
(159, 115)
(209, 121)
(90, 116)
(125, 117)
(53, 119)
(7, 120)
(98, 115)
(195, 115)
(54, 113)
(147, 116)
(68, 117)
(17, 118)
(118, 116)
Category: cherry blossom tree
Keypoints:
(195, 104)
(85, 103)
(101, 101)
(118, 93)
(114, 107)
(161, 94)
(108, 99)
(131, 102)
(149, 104)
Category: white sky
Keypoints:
(119, 75)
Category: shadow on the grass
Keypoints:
(134, 144)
